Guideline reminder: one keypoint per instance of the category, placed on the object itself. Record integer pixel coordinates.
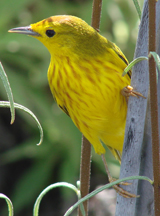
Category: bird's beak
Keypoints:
(24, 30)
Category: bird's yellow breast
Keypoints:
(89, 91)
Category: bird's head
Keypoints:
(65, 35)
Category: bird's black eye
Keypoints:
(50, 33)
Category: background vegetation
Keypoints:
(25, 169)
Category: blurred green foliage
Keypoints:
(26, 62)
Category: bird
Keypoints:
(85, 78)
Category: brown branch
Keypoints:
(86, 146)
(85, 172)
(96, 14)
(154, 106)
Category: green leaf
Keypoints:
(156, 58)
(93, 193)
(18, 106)
(9, 203)
(136, 3)
(132, 63)
(6, 84)
(50, 187)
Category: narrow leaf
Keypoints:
(132, 63)
(93, 193)
(18, 106)
(50, 187)
(9, 203)
(136, 3)
(156, 58)
(6, 84)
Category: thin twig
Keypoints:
(86, 146)
(85, 172)
(154, 106)
(96, 14)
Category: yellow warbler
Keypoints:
(85, 78)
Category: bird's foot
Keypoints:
(121, 191)
(129, 91)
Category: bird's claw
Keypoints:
(129, 91)
(123, 192)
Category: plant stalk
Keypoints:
(86, 146)
(85, 172)
(154, 106)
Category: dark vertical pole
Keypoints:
(154, 106)
(86, 146)
(96, 14)
(85, 172)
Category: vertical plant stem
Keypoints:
(85, 172)
(154, 107)
(96, 14)
(86, 146)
